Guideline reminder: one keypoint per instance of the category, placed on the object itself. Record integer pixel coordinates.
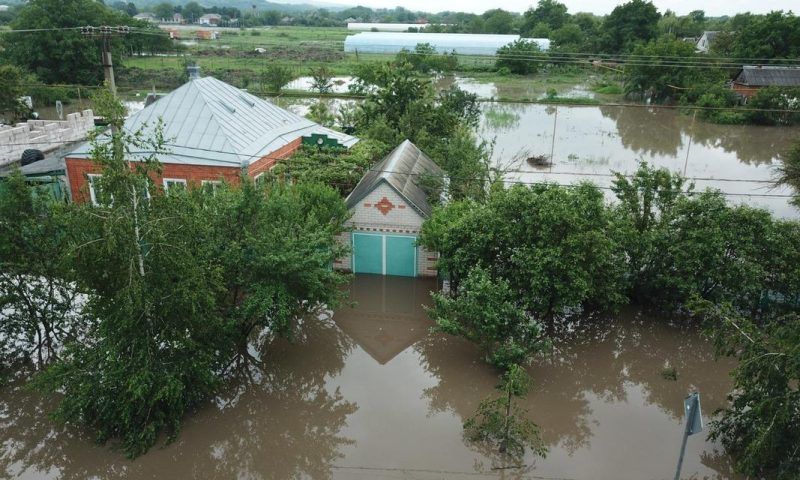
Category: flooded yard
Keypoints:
(368, 392)
(588, 143)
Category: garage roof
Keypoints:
(401, 169)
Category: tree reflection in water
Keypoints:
(278, 420)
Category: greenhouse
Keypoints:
(460, 43)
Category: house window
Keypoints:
(211, 185)
(94, 188)
(174, 183)
(259, 177)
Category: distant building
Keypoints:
(145, 16)
(383, 27)
(388, 207)
(461, 43)
(216, 132)
(174, 34)
(210, 19)
(4, 8)
(752, 78)
(206, 35)
(178, 18)
(704, 43)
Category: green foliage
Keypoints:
(655, 73)
(321, 80)
(759, 428)
(338, 168)
(498, 21)
(14, 81)
(501, 426)
(522, 57)
(38, 307)
(714, 100)
(426, 59)
(630, 23)
(774, 35)
(320, 113)
(551, 13)
(275, 77)
(61, 56)
(775, 98)
(401, 106)
(177, 283)
(485, 311)
(789, 171)
(550, 243)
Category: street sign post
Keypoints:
(694, 424)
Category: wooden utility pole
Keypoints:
(106, 33)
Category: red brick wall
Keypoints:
(265, 163)
(77, 168)
(745, 90)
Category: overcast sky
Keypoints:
(600, 7)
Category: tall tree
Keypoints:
(549, 12)
(62, 55)
(629, 23)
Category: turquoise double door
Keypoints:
(385, 254)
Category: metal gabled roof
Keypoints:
(771, 75)
(209, 122)
(401, 169)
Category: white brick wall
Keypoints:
(399, 218)
(43, 135)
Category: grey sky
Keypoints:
(601, 7)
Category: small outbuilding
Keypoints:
(388, 207)
(752, 78)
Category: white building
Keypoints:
(210, 19)
(704, 44)
(460, 43)
(388, 207)
(383, 27)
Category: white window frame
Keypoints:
(255, 179)
(92, 193)
(215, 184)
(167, 181)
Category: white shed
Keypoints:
(388, 207)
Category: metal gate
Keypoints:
(385, 254)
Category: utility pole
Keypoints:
(106, 33)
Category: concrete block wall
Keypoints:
(384, 211)
(44, 135)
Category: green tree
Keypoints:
(552, 244)
(498, 21)
(521, 57)
(192, 11)
(789, 171)
(774, 35)
(63, 56)
(549, 12)
(275, 77)
(13, 80)
(485, 311)
(501, 424)
(655, 72)
(156, 340)
(163, 11)
(629, 23)
(759, 425)
(321, 80)
(568, 35)
(783, 100)
(39, 308)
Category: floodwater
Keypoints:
(588, 143)
(370, 393)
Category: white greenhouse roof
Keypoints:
(461, 43)
(209, 122)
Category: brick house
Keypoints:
(752, 78)
(214, 132)
(388, 207)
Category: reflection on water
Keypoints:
(590, 142)
(372, 393)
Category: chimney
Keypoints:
(194, 72)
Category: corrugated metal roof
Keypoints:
(208, 122)
(401, 169)
(764, 76)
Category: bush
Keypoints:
(519, 57)
(775, 98)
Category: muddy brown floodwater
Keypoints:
(371, 393)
